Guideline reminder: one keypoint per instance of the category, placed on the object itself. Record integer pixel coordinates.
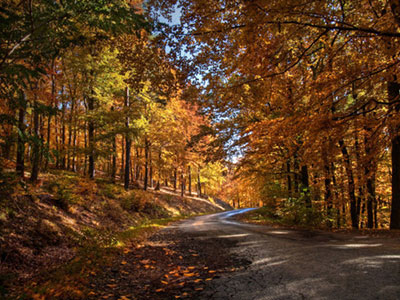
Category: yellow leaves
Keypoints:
(188, 274)
(164, 282)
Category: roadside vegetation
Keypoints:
(54, 235)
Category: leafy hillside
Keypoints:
(48, 225)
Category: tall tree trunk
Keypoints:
(393, 93)
(85, 164)
(70, 129)
(36, 142)
(328, 192)
(73, 167)
(114, 160)
(53, 95)
(150, 170)
(122, 158)
(182, 185)
(361, 194)
(58, 151)
(370, 174)
(91, 170)
(198, 183)
(20, 165)
(127, 142)
(175, 179)
(190, 180)
(351, 187)
(63, 151)
(305, 185)
(146, 163)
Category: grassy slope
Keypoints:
(53, 234)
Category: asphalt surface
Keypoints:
(296, 264)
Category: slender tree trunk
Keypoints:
(370, 174)
(146, 164)
(351, 187)
(56, 129)
(328, 192)
(190, 180)
(137, 163)
(73, 167)
(132, 167)
(36, 142)
(53, 95)
(127, 142)
(20, 165)
(71, 125)
(198, 183)
(114, 160)
(175, 179)
(63, 137)
(150, 170)
(305, 185)
(91, 171)
(86, 147)
(122, 158)
(182, 185)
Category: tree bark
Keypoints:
(305, 186)
(36, 143)
(328, 192)
(182, 185)
(190, 181)
(70, 130)
(198, 183)
(150, 170)
(20, 165)
(351, 187)
(146, 163)
(63, 160)
(127, 142)
(91, 171)
(175, 179)
(53, 95)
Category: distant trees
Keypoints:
(85, 88)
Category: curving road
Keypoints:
(295, 264)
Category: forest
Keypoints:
(118, 113)
(293, 105)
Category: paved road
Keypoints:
(289, 264)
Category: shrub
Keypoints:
(62, 195)
(295, 212)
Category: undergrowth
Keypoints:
(97, 250)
